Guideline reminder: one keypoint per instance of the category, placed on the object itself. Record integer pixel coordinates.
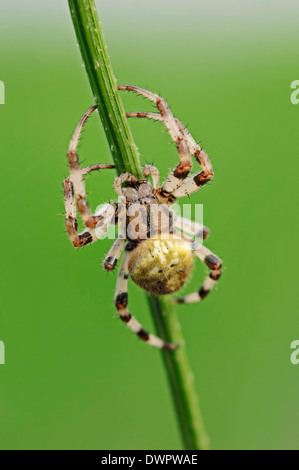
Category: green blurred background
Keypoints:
(75, 378)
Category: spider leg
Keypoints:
(121, 301)
(108, 213)
(77, 239)
(76, 175)
(176, 177)
(196, 182)
(191, 185)
(154, 116)
(192, 228)
(165, 113)
(152, 171)
(123, 178)
(99, 166)
(214, 263)
(114, 253)
(177, 131)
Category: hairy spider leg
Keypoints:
(90, 235)
(214, 263)
(76, 175)
(121, 302)
(176, 185)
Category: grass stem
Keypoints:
(124, 152)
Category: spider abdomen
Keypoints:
(161, 265)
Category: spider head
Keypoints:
(137, 190)
(161, 265)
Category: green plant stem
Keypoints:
(124, 152)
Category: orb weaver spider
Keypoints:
(162, 261)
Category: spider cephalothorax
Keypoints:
(158, 256)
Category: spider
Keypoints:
(161, 261)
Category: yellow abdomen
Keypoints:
(160, 265)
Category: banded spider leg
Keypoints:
(74, 190)
(177, 184)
